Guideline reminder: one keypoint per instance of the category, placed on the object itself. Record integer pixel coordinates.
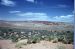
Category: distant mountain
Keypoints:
(37, 25)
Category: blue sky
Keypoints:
(37, 10)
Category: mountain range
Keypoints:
(37, 25)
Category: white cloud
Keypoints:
(14, 11)
(30, 1)
(35, 2)
(42, 16)
(34, 16)
(67, 18)
(7, 2)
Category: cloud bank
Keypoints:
(34, 16)
(66, 18)
(42, 16)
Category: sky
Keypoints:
(37, 10)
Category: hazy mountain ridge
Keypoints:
(41, 25)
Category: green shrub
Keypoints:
(55, 40)
(68, 39)
(14, 38)
(29, 41)
(49, 38)
(35, 39)
(61, 47)
(60, 38)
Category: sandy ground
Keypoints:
(7, 44)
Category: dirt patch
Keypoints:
(7, 44)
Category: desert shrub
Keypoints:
(42, 38)
(66, 41)
(18, 46)
(49, 38)
(61, 47)
(14, 38)
(60, 38)
(55, 40)
(29, 41)
(68, 38)
(21, 42)
(35, 39)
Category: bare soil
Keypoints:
(7, 44)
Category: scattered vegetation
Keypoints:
(48, 38)
(66, 37)
(61, 47)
